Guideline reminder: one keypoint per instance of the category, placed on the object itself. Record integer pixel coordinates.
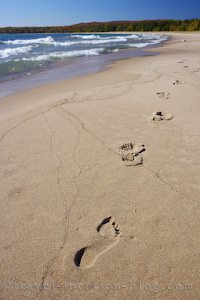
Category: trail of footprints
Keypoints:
(109, 231)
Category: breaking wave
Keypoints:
(47, 40)
(20, 53)
(61, 55)
(86, 36)
(14, 51)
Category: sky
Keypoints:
(67, 12)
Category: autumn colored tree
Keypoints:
(145, 25)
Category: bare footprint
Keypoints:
(160, 116)
(109, 235)
(178, 82)
(131, 154)
(163, 95)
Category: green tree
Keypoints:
(194, 25)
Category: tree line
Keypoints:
(115, 26)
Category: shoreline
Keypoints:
(49, 89)
(74, 68)
(62, 177)
(38, 76)
(71, 68)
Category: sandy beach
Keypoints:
(99, 197)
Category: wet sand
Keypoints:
(77, 67)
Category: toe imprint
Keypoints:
(126, 147)
(134, 149)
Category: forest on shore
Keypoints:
(114, 26)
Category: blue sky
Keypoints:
(66, 12)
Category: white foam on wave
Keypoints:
(115, 50)
(50, 41)
(145, 36)
(64, 43)
(14, 51)
(87, 39)
(117, 39)
(91, 42)
(112, 39)
(86, 36)
(66, 54)
(152, 36)
(150, 40)
(47, 40)
(138, 45)
(132, 36)
(106, 41)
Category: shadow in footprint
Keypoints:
(106, 220)
(78, 256)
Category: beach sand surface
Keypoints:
(62, 174)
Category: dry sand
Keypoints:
(62, 174)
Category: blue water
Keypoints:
(31, 52)
(29, 60)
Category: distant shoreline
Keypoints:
(112, 26)
(172, 33)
